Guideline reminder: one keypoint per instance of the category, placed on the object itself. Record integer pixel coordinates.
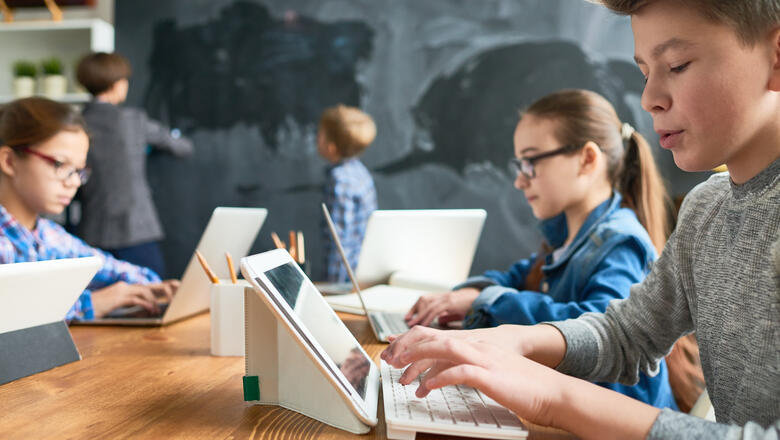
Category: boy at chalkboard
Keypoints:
(118, 213)
(343, 134)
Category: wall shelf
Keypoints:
(49, 25)
(70, 98)
(35, 40)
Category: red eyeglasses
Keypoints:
(62, 171)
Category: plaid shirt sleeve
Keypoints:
(350, 202)
(111, 272)
(16, 248)
(342, 210)
(6, 250)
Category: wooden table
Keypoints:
(162, 382)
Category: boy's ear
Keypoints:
(120, 89)
(774, 78)
(7, 160)
(588, 157)
(333, 151)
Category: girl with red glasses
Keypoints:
(43, 152)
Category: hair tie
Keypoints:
(626, 131)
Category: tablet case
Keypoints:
(34, 298)
(279, 371)
(35, 349)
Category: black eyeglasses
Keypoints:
(62, 171)
(525, 165)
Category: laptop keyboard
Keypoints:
(137, 312)
(393, 323)
(452, 405)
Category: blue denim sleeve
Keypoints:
(623, 266)
(492, 284)
(514, 277)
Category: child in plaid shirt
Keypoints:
(43, 150)
(345, 132)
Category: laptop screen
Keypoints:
(315, 314)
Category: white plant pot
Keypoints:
(24, 86)
(54, 86)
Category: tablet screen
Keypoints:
(317, 316)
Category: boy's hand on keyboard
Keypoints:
(448, 306)
(507, 336)
(527, 388)
(541, 343)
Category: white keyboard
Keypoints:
(453, 410)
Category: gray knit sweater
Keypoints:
(719, 275)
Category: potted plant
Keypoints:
(24, 79)
(54, 83)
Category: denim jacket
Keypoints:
(611, 252)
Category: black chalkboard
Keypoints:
(444, 79)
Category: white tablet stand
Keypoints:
(279, 372)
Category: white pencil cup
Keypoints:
(227, 318)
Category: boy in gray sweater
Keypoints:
(713, 88)
(118, 213)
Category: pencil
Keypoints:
(233, 277)
(277, 241)
(301, 248)
(293, 246)
(206, 267)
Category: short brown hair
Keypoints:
(29, 121)
(98, 72)
(751, 19)
(349, 128)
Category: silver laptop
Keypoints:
(444, 241)
(228, 230)
(383, 324)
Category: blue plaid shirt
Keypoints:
(49, 241)
(351, 198)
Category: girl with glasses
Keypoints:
(43, 152)
(592, 182)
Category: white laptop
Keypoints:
(296, 303)
(383, 324)
(407, 253)
(42, 292)
(228, 230)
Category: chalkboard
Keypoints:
(444, 80)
